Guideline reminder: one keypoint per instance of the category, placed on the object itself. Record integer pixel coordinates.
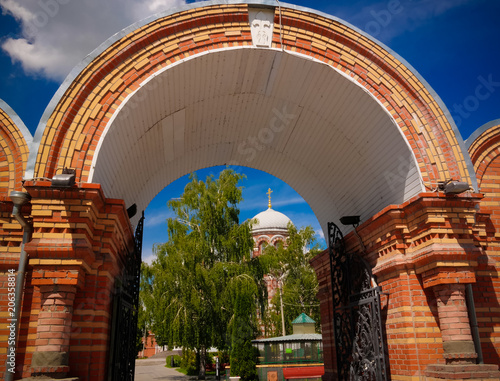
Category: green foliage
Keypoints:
(243, 359)
(223, 357)
(177, 361)
(188, 362)
(138, 341)
(144, 314)
(190, 289)
(289, 265)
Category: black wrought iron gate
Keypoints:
(359, 339)
(125, 312)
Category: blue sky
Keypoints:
(453, 44)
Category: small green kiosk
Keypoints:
(298, 356)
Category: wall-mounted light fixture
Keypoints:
(132, 210)
(453, 187)
(354, 221)
(66, 179)
(350, 220)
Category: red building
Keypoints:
(150, 347)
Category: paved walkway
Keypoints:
(154, 369)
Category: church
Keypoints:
(270, 228)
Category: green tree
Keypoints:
(288, 264)
(144, 314)
(243, 356)
(192, 283)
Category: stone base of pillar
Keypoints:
(50, 366)
(462, 372)
(459, 352)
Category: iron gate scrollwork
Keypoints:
(359, 340)
(125, 313)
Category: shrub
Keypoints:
(177, 361)
(188, 362)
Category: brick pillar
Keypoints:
(78, 247)
(458, 347)
(57, 286)
(321, 265)
(53, 333)
(458, 344)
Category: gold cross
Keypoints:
(269, 194)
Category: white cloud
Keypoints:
(288, 202)
(148, 256)
(159, 218)
(320, 233)
(58, 34)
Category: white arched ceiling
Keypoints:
(297, 119)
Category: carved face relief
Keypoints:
(261, 26)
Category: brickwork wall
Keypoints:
(321, 265)
(426, 243)
(11, 236)
(13, 158)
(78, 247)
(149, 345)
(79, 119)
(485, 155)
(14, 153)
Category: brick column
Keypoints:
(58, 285)
(422, 251)
(77, 251)
(458, 345)
(53, 333)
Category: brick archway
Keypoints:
(97, 99)
(484, 149)
(336, 115)
(14, 150)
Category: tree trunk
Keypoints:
(203, 354)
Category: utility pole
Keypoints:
(280, 284)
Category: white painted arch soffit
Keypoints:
(35, 145)
(297, 119)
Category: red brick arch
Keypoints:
(14, 150)
(77, 122)
(484, 150)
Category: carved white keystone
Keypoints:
(261, 26)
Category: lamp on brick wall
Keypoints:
(453, 186)
(66, 179)
(132, 210)
(354, 221)
(350, 220)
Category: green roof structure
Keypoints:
(303, 318)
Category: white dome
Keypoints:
(270, 220)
